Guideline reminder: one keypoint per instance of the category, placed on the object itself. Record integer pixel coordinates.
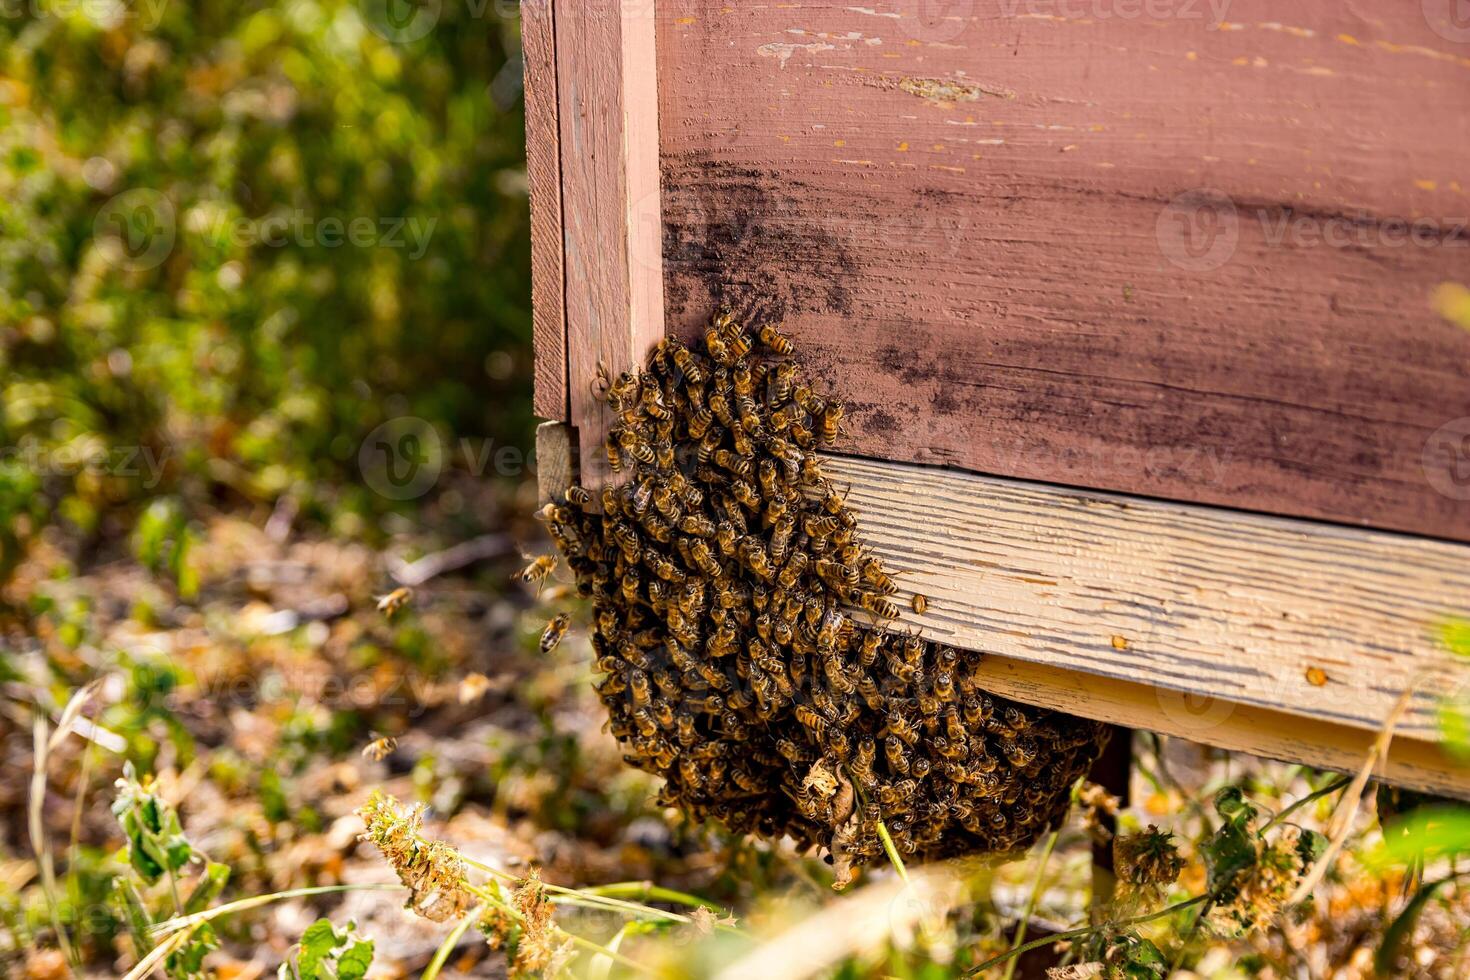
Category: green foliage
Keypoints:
(326, 954)
(1231, 851)
(156, 842)
(234, 238)
(161, 542)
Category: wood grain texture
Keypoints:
(543, 171)
(1307, 619)
(1168, 256)
(611, 206)
(1238, 728)
(553, 460)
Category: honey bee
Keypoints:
(897, 754)
(639, 688)
(811, 720)
(878, 605)
(394, 602)
(831, 424)
(687, 364)
(774, 340)
(919, 603)
(614, 455)
(551, 637)
(380, 748)
(868, 691)
(537, 571)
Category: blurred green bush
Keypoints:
(237, 236)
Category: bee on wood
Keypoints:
(614, 455)
(380, 748)
(551, 637)
(687, 364)
(778, 343)
(394, 602)
(879, 606)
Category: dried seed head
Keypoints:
(432, 870)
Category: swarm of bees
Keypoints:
(739, 626)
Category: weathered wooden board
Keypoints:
(1091, 567)
(1318, 621)
(1239, 728)
(1124, 245)
(543, 172)
(611, 204)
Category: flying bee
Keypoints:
(555, 630)
(380, 748)
(394, 602)
(774, 339)
(537, 571)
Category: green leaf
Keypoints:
(207, 889)
(1455, 635)
(354, 963)
(1427, 833)
(317, 943)
(1386, 959)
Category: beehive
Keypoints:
(1153, 405)
(738, 624)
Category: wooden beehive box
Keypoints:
(1130, 302)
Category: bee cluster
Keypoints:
(738, 625)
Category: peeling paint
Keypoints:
(943, 90)
(784, 51)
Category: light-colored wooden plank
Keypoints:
(1311, 620)
(543, 170)
(1155, 253)
(610, 204)
(1239, 728)
(553, 460)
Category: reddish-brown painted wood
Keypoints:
(963, 211)
(543, 169)
(611, 205)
